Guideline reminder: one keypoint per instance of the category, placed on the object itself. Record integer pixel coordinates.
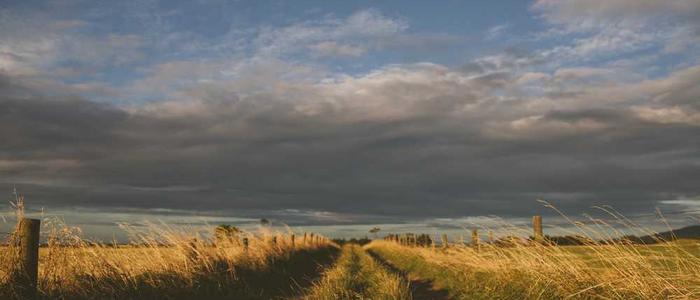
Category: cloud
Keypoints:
(585, 12)
(110, 50)
(496, 31)
(335, 49)
(364, 27)
(393, 141)
(40, 46)
(609, 28)
(668, 115)
(257, 124)
(358, 34)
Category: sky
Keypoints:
(338, 115)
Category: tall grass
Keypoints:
(166, 262)
(357, 276)
(613, 269)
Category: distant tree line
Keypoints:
(360, 241)
(414, 239)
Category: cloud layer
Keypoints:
(272, 127)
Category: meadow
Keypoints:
(164, 262)
(540, 271)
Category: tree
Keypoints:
(374, 231)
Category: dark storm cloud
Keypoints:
(417, 142)
(34, 126)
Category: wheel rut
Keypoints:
(421, 289)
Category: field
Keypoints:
(667, 271)
(163, 263)
(166, 263)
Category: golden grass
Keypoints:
(164, 262)
(161, 262)
(617, 270)
(357, 276)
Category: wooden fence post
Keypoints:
(475, 239)
(28, 271)
(537, 228)
(245, 244)
(443, 240)
(292, 237)
(490, 236)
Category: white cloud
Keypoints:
(39, 46)
(613, 27)
(362, 28)
(587, 14)
(335, 49)
(496, 32)
(668, 115)
(581, 72)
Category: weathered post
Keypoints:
(28, 268)
(490, 236)
(292, 239)
(475, 239)
(443, 240)
(304, 239)
(274, 241)
(245, 244)
(537, 228)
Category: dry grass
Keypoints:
(163, 262)
(614, 270)
(357, 276)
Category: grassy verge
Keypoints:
(539, 272)
(460, 284)
(357, 276)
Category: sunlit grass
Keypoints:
(607, 269)
(165, 262)
(357, 276)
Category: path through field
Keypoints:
(421, 289)
(359, 274)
